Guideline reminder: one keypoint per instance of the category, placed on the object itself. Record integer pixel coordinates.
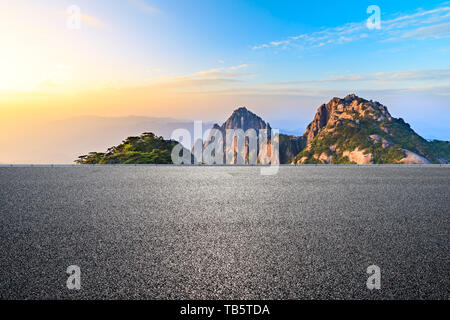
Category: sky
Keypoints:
(202, 59)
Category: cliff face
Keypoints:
(242, 118)
(290, 146)
(351, 108)
(355, 130)
(349, 130)
(345, 131)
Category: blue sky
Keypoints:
(201, 59)
(187, 36)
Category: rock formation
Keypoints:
(355, 130)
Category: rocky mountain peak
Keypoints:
(244, 119)
(351, 108)
(350, 97)
(241, 110)
(343, 131)
(356, 130)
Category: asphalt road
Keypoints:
(224, 232)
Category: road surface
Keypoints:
(163, 232)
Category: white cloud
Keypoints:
(142, 5)
(397, 76)
(89, 20)
(209, 77)
(242, 66)
(56, 80)
(92, 21)
(219, 72)
(420, 25)
(436, 32)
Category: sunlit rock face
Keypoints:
(248, 150)
(350, 108)
(351, 130)
(359, 131)
(413, 158)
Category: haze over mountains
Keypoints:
(62, 141)
(346, 131)
(351, 130)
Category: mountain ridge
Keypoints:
(360, 131)
(351, 130)
(243, 118)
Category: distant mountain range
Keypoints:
(60, 141)
(351, 130)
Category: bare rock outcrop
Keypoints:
(356, 130)
(413, 158)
